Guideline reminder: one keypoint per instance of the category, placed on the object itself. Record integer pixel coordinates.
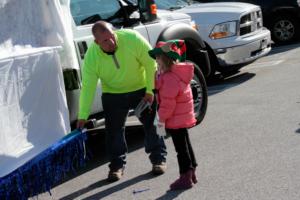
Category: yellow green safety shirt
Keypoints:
(129, 69)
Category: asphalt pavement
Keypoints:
(247, 147)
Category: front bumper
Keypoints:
(245, 53)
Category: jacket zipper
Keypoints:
(116, 61)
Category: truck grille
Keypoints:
(251, 22)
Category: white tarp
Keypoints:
(33, 108)
(37, 23)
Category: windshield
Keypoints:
(171, 4)
(210, 1)
(103, 9)
(113, 11)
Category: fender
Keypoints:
(192, 39)
(285, 8)
(290, 10)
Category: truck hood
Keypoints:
(171, 16)
(225, 11)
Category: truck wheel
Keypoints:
(214, 64)
(284, 29)
(199, 90)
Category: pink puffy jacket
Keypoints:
(175, 97)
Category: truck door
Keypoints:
(120, 13)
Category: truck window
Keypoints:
(89, 11)
(209, 1)
(171, 4)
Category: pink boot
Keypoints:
(176, 182)
(194, 178)
(184, 181)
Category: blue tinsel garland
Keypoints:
(45, 170)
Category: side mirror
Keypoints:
(148, 10)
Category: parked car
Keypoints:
(282, 17)
(233, 32)
(67, 24)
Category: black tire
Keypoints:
(214, 65)
(199, 90)
(284, 29)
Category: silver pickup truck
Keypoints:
(67, 23)
(233, 32)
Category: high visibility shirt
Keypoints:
(129, 69)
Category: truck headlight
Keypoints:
(223, 30)
(194, 25)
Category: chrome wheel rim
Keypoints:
(197, 94)
(284, 30)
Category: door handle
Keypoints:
(82, 47)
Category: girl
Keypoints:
(176, 110)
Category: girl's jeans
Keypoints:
(116, 108)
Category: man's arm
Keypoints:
(89, 84)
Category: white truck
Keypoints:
(233, 32)
(67, 23)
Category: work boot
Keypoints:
(184, 181)
(158, 169)
(115, 175)
(194, 178)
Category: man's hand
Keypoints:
(80, 123)
(148, 98)
(161, 131)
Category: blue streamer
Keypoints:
(46, 169)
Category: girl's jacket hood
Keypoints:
(185, 71)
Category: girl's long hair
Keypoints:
(168, 62)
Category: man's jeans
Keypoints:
(116, 108)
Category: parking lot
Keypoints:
(247, 147)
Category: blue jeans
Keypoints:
(116, 108)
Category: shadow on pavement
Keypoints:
(96, 154)
(85, 190)
(108, 191)
(298, 130)
(171, 194)
(282, 48)
(221, 82)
